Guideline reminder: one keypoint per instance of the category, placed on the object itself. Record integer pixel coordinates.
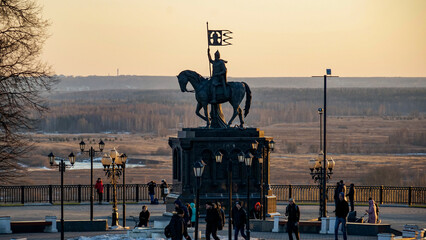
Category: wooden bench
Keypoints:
(29, 226)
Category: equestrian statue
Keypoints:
(216, 91)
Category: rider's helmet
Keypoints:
(217, 54)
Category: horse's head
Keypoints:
(183, 80)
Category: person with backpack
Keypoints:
(293, 213)
(212, 221)
(189, 208)
(177, 230)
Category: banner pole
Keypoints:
(208, 47)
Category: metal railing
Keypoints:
(139, 192)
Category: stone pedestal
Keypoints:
(276, 223)
(52, 228)
(385, 236)
(5, 224)
(193, 144)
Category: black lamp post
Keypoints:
(324, 174)
(113, 167)
(248, 161)
(92, 153)
(198, 172)
(62, 166)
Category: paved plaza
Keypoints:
(397, 216)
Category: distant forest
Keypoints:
(160, 111)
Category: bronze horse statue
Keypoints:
(202, 86)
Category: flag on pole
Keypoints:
(219, 37)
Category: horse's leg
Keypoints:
(240, 115)
(206, 113)
(233, 115)
(197, 112)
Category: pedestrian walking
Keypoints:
(151, 190)
(342, 210)
(193, 214)
(99, 186)
(293, 213)
(180, 205)
(239, 217)
(188, 207)
(372, 211)
(351, 196)
(336, 195)
(144, 217)
(212, 220)
(221, 215)
(164, 190)
(178, 227)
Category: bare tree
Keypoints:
(23, 79)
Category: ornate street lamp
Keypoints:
(92, 152)
(316, 166)
(198, 172)
(114, 166)
(248, 158)
(62, 166)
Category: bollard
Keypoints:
(5, 224)
(331, 226)
(324, 225)
(276, 223)
(52, 228)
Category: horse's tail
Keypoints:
(248, 99)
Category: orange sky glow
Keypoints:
(272, 38)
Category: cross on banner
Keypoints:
(219, 37)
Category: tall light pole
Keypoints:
(323, 200)
(62, 166)
(198, 172)
(113, 167)
(92, 153)
(248, 161)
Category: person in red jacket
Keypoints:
(99, 186)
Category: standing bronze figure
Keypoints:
(204, 95)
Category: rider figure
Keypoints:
(219, 73)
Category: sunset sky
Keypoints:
(272, 38)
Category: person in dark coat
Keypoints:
(221, 215)
(144, 217)
(239, 217)
(212, 220)
(342, 210)
(179, 205)
(164, 190)
(351, 196)
(178, 226)
(151, 190)
(336, 195)
(293, 213)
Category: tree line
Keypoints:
(162, 110)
